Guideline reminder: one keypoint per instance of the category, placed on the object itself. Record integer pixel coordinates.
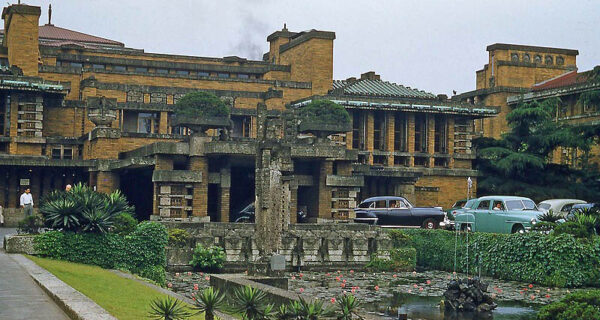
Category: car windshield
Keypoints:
(459, 204)
(365, 204)
(469, 204)
(544, 206)
(520, 205)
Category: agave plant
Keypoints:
(252, 304)
(168, 309)
(550, 216)
(289, 312)
(347, 307)
(588, 221)
(209, 301)
(314, 310)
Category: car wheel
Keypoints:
(517, 228)
(430, 224)
(465, 227)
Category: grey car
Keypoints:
(397, 211)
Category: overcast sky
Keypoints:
(432, 45)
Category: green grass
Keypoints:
(123, 298)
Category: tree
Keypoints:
(201, 104)
(519, 163)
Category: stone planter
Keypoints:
(102, 118)
(19, 244)
(322, 130)
(201, 124)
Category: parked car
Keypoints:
(499, 214)
(579, 208)
(246, 215)
(397, 211)
(458, 207)
(559, 206)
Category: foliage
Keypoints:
(519, 163)
(141, 252)
(589, 217)
(124, 298)
(201, 104)
(315, 309)
(84, 210)
(583, 305)
(30, 225)
(210, 259)
(168, 309)
(573, 228)
(178, 237)
(251, 303)
(544, 226)
(553, 260)
(209, 301)
(401, 259)
(347, 307)
(324, 111)
(550, 216)
(124, 224)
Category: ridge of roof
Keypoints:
(371, 87)
(54, 33)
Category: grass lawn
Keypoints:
(123, 298)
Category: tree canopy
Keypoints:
(324, 111)
(201, 104)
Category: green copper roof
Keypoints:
(378, 88)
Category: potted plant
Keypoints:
(323, 118)
(102, 111)
(201, 111)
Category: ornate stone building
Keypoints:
(75, 107)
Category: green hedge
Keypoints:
(401, 259)
(578, 305)
(560, 261)
(141, 252)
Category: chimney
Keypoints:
(442, 97)
(351, 79)
(371, 75)
(21, 37)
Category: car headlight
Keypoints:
(533, 221)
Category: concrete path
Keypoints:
(20, 297)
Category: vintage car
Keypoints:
(247, 215)
(581, 207)
(397, 211)
(499, 214)
(458, 207)
(559, 206)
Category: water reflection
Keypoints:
(428, 308)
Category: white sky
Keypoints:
(432, 45)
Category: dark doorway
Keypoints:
(213, 202)
(242, 189)
(137, 186)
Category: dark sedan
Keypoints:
(397, 211)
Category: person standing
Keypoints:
(68, 188)
(27, 202)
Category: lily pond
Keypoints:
(385, 295)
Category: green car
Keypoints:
(458, 207)
(499, 214)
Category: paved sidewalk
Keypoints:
(20, 297)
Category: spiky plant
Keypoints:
(347, 307)
(550, 216)
(314, 310)
(251, 303)
(168, 309)
(209, 301)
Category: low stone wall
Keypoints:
(232, 282)
(19, 244)
(330, 246)
(12, 216)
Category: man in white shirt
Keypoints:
(27, 202)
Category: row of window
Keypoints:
(224, 75)
(548, 59)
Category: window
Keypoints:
(420, 132)
(484, 205)
(56, 153)
(242, 126)
(560, 60)
(365, 205)
(379, 130)
(119, 68)
(243, 76)
(183, 72)
(203, 74)
(358, 130)
(400, 132)
(380, 204)
(61, 152)
(162, 71)
(223, 75)
(537, 58)
(76, 64)
(98, 66)
(514, 57)
(526, 58)
(421, 161)
(498, 205)
(441, 134)
(141, 69)
(147, 123)
(549, 60)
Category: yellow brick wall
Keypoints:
(22, 40)
(450, 190)
(311, 61)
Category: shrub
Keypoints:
(208, 259)
(552, 260)
(401, 259)
(209, 301)
(30, 225)
(178, 237)
(550, 216)
(201, 104)
(324, 111)
(140, 252)
(579, 305)
(168, 309)
(124, 224)
(577, 230)
(83, 209)
(251, 303)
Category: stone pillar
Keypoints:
(47, 181)
(163, 125)
(13, 189)
(225, 190)
(325, 191)
(431, 138)
(410, 140)
(200, 197)
(107, 181)
(350, 133)
(34, 184)
(3, 186)
(293, 201)
(406, 190)
(450, 141)
(369, 143)
(389, 136)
